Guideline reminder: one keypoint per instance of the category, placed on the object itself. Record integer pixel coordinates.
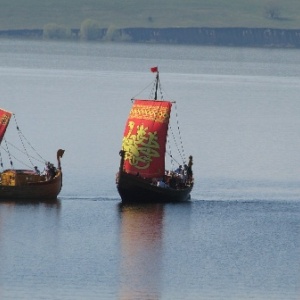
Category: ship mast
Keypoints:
(156, 86)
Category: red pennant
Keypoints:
(154, 69)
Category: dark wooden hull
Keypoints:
(42, 190)
(135, 189)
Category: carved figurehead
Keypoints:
(60, 154)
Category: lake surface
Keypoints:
(238, 237)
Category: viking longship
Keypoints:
(26, 184)
(143, 176)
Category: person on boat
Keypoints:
(189, 168)
(52, 171)
(37, 171)
(179, 170)
(184, 174)
(46, 170)
(49, 171)
(162, 184)
(173, 182)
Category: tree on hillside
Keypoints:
(90, 30)
(115, 34)
(56, 31)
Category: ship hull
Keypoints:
(136, 189)
(42, 190)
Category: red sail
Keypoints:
(4, 120)
(145, 137)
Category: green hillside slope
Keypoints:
(34, 14)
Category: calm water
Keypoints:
(238, 237)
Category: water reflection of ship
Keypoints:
(42, 207)
(15, 218)
(141, 251)
(52, 203)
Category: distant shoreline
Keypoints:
(241, 37)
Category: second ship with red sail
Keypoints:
(142, 175)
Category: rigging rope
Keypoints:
(10, 155)
(180, 151)
(160, 90)
(172, 158)
(170, 152)
(25, 153)
(152, 92)
(21, 136)
(180, 138)
(1, 161)
(153, 83)
(176, 144)
(141, 91)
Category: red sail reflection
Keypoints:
(141, 251)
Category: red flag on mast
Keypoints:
(154, 69)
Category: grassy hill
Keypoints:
(35, 14)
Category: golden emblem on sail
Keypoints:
(147, 112)
(4, 119)
(140, 148)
